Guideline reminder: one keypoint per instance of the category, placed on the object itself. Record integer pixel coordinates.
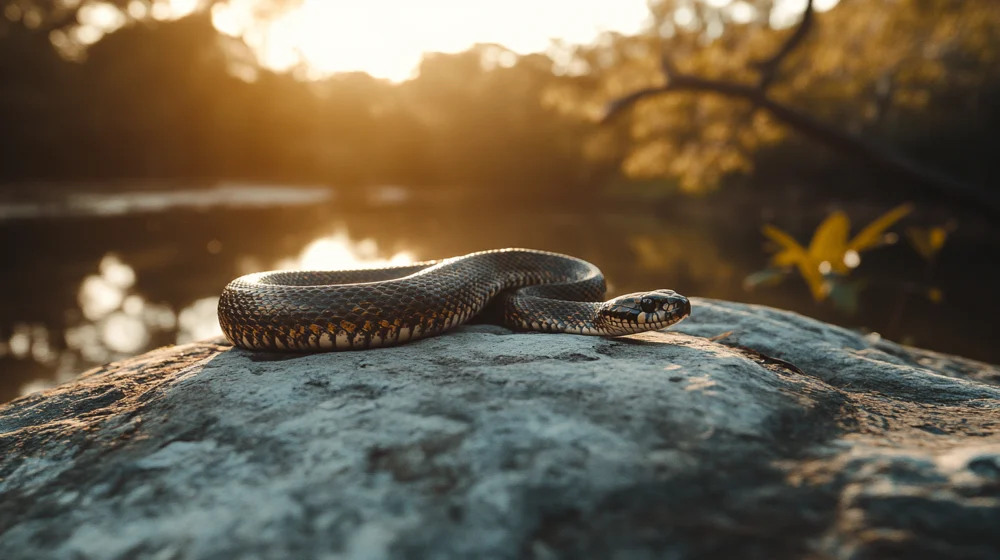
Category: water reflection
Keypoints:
(114, 320)
(198, 321)
(28, 342)
(155, 279)
(102, 293)
(340, 251)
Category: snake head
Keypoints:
(643, 311)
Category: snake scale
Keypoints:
(522, 289)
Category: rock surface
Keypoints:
(782, 438)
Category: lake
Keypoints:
(97, 273)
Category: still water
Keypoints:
(92, 277)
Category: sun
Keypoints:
(387, 38)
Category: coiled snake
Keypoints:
(523, 289)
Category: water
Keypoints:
(94, 275)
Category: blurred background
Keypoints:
(836, 158)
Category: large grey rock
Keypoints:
(784, 438)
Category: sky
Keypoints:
(387, 38)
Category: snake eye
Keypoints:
(647, 305)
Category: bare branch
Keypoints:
(615, 107)
(845, 142)
(769, 68)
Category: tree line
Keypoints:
(176, 99)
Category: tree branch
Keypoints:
(612, 109)
(769, 68)
(855, 145)
(843, 141)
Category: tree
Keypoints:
(488, 124)
(702, 75)
(66, 15)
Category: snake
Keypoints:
(363, 308)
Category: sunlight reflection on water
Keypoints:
(198, 321)
(29, 341)
(339, 251)
(114, 322)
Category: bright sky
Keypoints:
(386, 38)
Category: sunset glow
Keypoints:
(386, 38)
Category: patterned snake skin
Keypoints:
(523, 289)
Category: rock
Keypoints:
(785, 438)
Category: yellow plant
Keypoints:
(830, 251)
(928, 241)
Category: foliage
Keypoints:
(127, 110)
(831, 258)
(867, 66)
(68, 16)
(163, 98)
(830, 253)
(929, 241)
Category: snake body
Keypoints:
(523, 289)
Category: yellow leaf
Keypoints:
(872, 233)
(781, 238)
(791, 253)
(928, 242)
(829, 242)
(809, 269)
(828, 245)
(937, 238)
(788, 257)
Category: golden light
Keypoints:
(339, 251)
(386, 38)
(97, 19)
(173, 9)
